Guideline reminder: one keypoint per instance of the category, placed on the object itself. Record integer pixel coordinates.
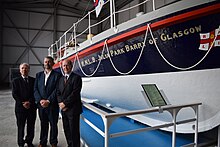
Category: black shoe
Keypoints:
(21, 146)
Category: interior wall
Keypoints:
(26, 38)
(26, 35)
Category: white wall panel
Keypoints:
(34, 70)
(11, 57)
(6, 21)
(64, 23)
(19, 18)
(62, 12)
(11, 54)
(44, 39)
(11, 36)
(41, 53)
(37, 20)
(14, 43)
(39, 10)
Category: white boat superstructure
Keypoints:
(125, 93)
(122, 91)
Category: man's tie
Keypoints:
(26, 80)
(65, 79)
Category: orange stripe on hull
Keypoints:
(154, 26)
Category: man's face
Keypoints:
(66, 67)
(48, 63)
(24, 70)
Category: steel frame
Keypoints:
(108, 119)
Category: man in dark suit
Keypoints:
(69, 100)
(46, 100)
(25, 108)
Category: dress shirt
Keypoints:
(67, 75)
(46, 77)
(25, 78)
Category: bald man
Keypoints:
(69, 100)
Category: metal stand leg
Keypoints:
(107, 124)
(174, 128)
(106, 132)
(196, 126)
(218, 136)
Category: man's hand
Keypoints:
(44, 103)
(64, 109)
(62, 106)
(26, 104)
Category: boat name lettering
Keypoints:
(102, 57)
(180, 33)
(88, 61)
(117, 52)
(129, 47)
(113, 53)
(135, 46)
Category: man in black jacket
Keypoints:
(25, 108)
(46, 100)
(69, 100)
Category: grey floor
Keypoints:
(8, 131)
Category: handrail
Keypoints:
(155, 109)
(95, 109)
(58, 48)
(108, 118)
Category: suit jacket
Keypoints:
(69, 93)
(22, 92)
(48, 91)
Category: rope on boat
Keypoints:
(61, 69)
(125, 73)
(113, 65)
(145, 38)
(74, 63)
(80, 66)
(181, 68)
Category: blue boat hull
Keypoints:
(184, 65)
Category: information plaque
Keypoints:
(155, 97)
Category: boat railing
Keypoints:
(108, 119)
(69, 42)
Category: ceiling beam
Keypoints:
(48, 13)
(11, 5)
(74, 10)
(56, 3)
(37, 29)
(23, 46)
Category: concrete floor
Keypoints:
(8, 130)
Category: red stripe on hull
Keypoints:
(154, 26)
